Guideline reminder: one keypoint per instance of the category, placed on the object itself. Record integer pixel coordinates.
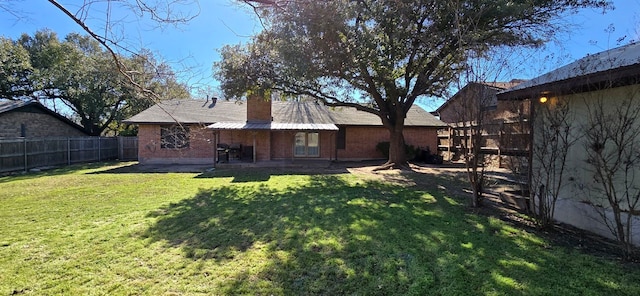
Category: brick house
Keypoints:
(258, 130)
(501, 121)
(32, 119)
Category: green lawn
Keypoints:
(93, 230)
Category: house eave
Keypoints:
(622, 76)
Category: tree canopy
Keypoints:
(79, 74)
(380, 56)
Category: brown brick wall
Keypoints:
(282, 145)
(263, 140)
(201, 146)
(258, 109)
(239, 138)
(422, 137)
(36, 124)
(361, 141)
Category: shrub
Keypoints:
(411, 151)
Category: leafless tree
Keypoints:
(612, 143)
(474, 108)
(109, 37)
(554, 132)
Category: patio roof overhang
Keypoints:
(273, 126)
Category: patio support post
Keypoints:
(293, 148)
(335, 147)
(254, 147)
(24, 141)
(215, 148)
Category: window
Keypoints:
(174, 137)
(306, 145)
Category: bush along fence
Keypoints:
(24, 154)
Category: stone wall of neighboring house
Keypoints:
(464, 105)
(201, 148)
(35, 124)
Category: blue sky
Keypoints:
(192, 48)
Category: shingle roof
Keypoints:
(6, 106)
(191, 111)
(283, 112)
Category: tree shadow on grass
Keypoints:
(55, 171)
(243, 175)
(338, 236)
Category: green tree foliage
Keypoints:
(79, 74)
(380, 56)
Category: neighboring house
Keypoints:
(32, 119)
(465, 103)
(474, 104)
(606, 78)
(257, 130)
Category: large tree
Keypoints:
(380, 56)
(80, 76)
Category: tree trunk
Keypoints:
(475, 179)
(397, 153)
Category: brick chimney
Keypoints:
(258, 109)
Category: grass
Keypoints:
(94, 230)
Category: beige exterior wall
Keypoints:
(36, 125)
(200, 151)
(577, 192)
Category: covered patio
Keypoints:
(256, 144)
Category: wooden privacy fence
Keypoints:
(507, 140)
(23, 154)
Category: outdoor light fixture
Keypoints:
(543, 100)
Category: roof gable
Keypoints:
(6, 106)
(19, 106)
(493, 87)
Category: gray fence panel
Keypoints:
(128, 149)
(12, 155)
(22, 154)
